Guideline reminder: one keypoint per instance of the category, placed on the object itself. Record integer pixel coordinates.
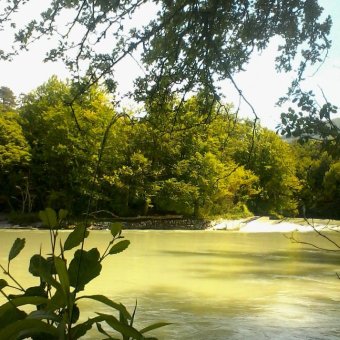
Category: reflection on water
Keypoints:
(215, 285)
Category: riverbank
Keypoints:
(254, 224)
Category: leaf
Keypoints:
(17, 246)
(43, 268)
(60, 266)
(81, 329)
(116, 228)
(154, 326)
(58, 300)
(43, 314)
(49, 217)
(103, 299)
(62, 214)
(23, 300)
(3, 283)
(35, 291)
(121, 327)
(10, 315)
(88, 265)
(119, 247)
(76, 237)
(25, 328)
(101, 330)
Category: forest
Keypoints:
(169, 158)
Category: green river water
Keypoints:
(212, 284)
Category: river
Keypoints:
(213, 284)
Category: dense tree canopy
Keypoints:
(207, 161)
(169, 161)
(187, 46)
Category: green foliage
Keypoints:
(188, 45)
(318, 170)
(64, 137)
(15, 217)
(55, 312)
(17, 246)
(274, 162)
(7, 99)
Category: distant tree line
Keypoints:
(175, 158)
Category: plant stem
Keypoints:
(12, 278)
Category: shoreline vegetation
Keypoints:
(247, 224)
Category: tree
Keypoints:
(274, 162)
(64, 139)
(7, 99)
(15, 158)
(188, 46)
(311, 121)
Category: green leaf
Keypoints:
(43, 314)
(121, 327)
(76, 237)
(101, 330)
(49, 217)
(82, 328)
(35, 291)
(103, 299)
(116, 228)
(26, 328)
(58, 300)
(88, 265)
(43, 268)
(10, 314)
(62, 214)
(17, 246)
(154, 326)
(60, 266)
(119, 247)
(23, 300)
(3, 283)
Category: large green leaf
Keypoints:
(49, 217)
(119, 247)
(23, 300)
(10, 314)
(17, 246)
(25, 328)
(76, 237)
(121, 327)
(103, 299)
(61, 269)
(84, 267)
(116, 228)
(43, 268)
(154, 326)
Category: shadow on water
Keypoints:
(303, 263)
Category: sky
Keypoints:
(260, 83)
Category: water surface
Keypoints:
(213, 285)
